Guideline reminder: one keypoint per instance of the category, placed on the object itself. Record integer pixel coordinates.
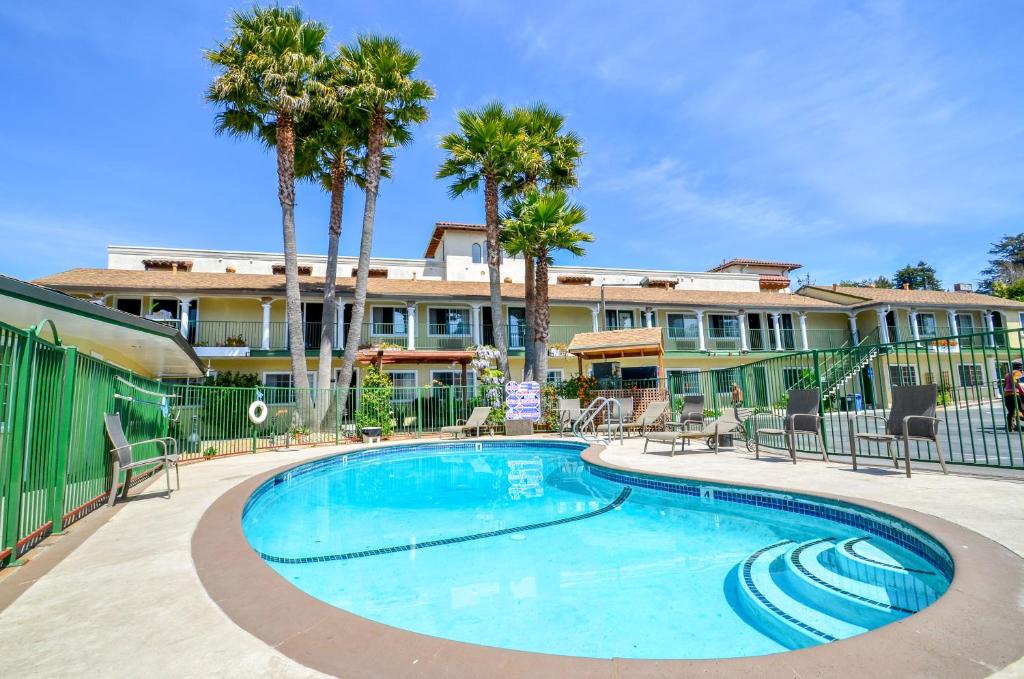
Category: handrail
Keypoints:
(590, 413)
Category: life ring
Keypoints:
(258, 412)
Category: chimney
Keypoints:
(963, 287)
(835, 287)
(906, 286)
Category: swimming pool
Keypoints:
(522, 545)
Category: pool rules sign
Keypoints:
(522, 401)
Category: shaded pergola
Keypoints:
(382, 357)
(634, 343)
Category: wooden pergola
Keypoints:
(382, 357)
(635, 343)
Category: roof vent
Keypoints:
(378, 273)
(906, 286)
(575, 280)
(174, 265)
(278, 270)
(963, 287)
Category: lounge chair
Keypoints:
(477, 419)
(122, 457)
(692, 413)
(569, 412)
(802, 419)
(654, 411)
(911, 418)
(624, 406)
(729, 423)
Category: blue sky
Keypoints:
(852, 137)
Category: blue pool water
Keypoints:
(524, 546)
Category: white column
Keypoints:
(339, 323)
(265, 341)
(595, 313)
(475, 318)
(650, 317)
(883, 327)
(700, 331)
(990, 338)
(777, 330)
(853, 329)
(803, 331)
(183, 304)
(914, 332)
(744, 345)
(410, 325)
(951, 318)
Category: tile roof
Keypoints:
(869, 296)
(441, 227)
(616, 339)
(122, 280)
(755, 262)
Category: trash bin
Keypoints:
(858, 402)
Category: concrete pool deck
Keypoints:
(128, 600)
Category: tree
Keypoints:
(918, 277)
(485, 150)
(548, 158)
(880, 282)
(1007, 265)
(331, 152)
(270, 70)
(377, 79)
(549, 218)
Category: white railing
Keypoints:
(611, 409)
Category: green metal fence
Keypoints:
(969, 370)
(54, 461)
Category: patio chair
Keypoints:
(477, 419)
(802, 419)
(729, 423)
(654, 411)
(122, 457)
(692, 412)
(912, 417)
(569, 412)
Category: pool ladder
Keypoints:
(612, 411)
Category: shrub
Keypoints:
(375, 402)
(209, 452)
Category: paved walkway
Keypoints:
(128, 603)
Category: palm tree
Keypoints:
(270, 70)
(485, 150)
(551, 157)
(377, 79)
(550, 221)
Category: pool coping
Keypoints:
(987, 585)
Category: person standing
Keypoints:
(1013, 394)
(737, 395)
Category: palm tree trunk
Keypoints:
(329, 327)
(293, 301)
(373, 153)
(542, 318)
(494, 269)
(530, 301)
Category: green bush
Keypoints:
(375, 402)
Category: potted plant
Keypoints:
(209, 453)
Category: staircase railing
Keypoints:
(599, 405)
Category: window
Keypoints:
(723, 379)
(450, 378)
(682, 326)
(516, 328)
(279, 385)
(389, 321)
(926, 326)
(970, 375)
(902, 375)
(683, 381)
(965, 324)
(443, 322)
(618, 319)
(404, 382)
(791, 377)
(555, 375)
(720, 325)
(129, 306)
(478, 253)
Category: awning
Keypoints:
(617, 343)
(140, 345)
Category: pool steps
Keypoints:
(819, 591)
